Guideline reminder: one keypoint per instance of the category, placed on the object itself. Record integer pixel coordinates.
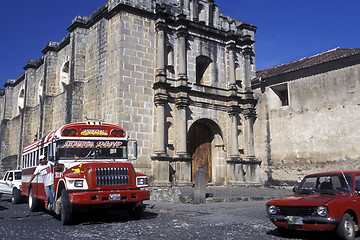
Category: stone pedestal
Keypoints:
(200, 185)
(160, 169)
(182, 166)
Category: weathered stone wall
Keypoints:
(319, 129)
(109, 68)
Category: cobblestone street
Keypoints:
(161, 220)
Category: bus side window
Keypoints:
(37, 155)
(51, 152)
(45, 152)
(33, 159)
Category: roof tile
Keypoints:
(328, 56)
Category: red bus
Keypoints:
(91, 169)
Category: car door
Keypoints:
(3, 184)
(8, 183)
(357, 196)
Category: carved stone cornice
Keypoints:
(235, 160)
(182, 102)
(249, 113)
(234, 110)
(161, 98)
(160, 157)
(161, 85)
(247, 50)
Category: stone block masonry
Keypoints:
(164, 70)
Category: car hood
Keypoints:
(306, 200)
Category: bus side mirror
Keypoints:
(135, 149)
(134, 152)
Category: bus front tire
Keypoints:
(33, 202)
(66, 213)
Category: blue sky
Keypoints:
(287, 29)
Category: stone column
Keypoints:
(250, 115)
(160, 54)
(211, 12)
(160, 163)
(182, 34)
(232, 75)
(235, 167)
(182, 104)
(182, 58)
(247, 52)
(195, 10)
(183, 159)
(160, 100)
(234, 148)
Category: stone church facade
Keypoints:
(308, 116)
(175, 73)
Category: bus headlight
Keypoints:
(79, 183)
(141, 181)
(73, 184)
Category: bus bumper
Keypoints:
(109, 197)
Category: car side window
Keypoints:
(6, 176)
(10, 177)
(357, 184)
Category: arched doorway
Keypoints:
(200, 138)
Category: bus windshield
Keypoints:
(91, 149)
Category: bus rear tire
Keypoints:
(33, 202)
(66, 212)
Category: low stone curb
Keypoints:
(186, 196)
(239, 199)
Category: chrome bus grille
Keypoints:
(109, 176)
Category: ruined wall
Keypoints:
(319, 129)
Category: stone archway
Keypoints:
(200, 138)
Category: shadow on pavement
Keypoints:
(107, 216)
(292, 234)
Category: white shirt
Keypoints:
(46, 172)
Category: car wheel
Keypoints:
(346, 228)
(66, 212)
(33, 202)
(16, 196)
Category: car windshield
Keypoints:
(327, 184)
(79, 149)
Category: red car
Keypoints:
(322, 202)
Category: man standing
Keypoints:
(45, 169)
